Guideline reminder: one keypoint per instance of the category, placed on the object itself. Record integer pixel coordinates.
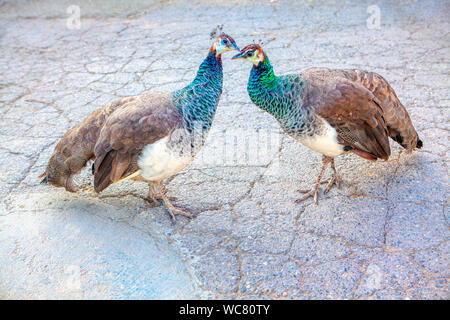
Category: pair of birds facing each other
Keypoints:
(154, 135)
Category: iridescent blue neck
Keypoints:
(212, 65)
(198, 100)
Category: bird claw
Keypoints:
(334, 180)
(177, 211)
(308, 193)
(169, 198)
(156, 199)
(164, 192)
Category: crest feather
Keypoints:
(217, 30)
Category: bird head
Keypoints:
(253, 53)
(224, 43)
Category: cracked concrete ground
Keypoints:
(384, 235)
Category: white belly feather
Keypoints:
(324, 142)
(157, 162)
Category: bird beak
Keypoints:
(234, 45)
(238, 56)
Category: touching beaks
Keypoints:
(235, 46)
(238, 56)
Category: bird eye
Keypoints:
(249, 53)
(225, 41)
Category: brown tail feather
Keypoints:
(110, 168)
(398, 121)
(364, 155)
(102, 170)
(381, 142)
(76, 147)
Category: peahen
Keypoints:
(331, 111)
(148, 137)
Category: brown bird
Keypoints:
(148, 137)
(331, 111)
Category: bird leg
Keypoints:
(335, 179)
(164, 191)
(315, 191)
(172, 209)
(153, 194)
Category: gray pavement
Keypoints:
(384, 235)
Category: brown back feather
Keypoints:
(76, 147)
(351, 109)
(127, 131)
(398, 121)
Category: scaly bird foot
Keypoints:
(152, 201)
(334, 180)
(163, 191)
(177, 211)
(159, 198)
(161, 194)
(154, 198)
(308, 193)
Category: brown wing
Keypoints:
(76, 147)
(398, 121)
(127, 131)
(353, 111)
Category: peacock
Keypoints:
(331, 111)
(148, 137)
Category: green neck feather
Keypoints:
(263, 87)
(279, 96)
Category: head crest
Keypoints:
(217, 30)
(262, 43)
